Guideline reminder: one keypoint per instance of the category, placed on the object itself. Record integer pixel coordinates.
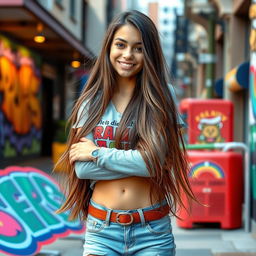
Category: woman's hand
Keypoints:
(82, 150)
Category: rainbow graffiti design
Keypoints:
(28, 201)
(206, 167)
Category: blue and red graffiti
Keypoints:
(28, 201)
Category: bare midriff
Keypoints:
(123, 194)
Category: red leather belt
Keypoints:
(125, 218)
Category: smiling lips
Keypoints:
(126, 65)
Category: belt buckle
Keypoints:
(124, 213)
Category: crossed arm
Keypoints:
(111, 164)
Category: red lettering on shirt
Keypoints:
(101, 143)
(108, 133)
(98, 132)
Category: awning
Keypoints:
(238, 78)
(19, 19)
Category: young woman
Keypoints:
(125, 163)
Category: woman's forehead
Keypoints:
(128, 33)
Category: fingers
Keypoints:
(72, 155)
(73, 152)
(76, 145)
(81, 151)
(87, 142)
(77, 152)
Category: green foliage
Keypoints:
(34, 149)
(9, 150)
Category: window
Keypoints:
(47, 4)
(72, 9)
(59, 3)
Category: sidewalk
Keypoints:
(193, 242)
(213, 242)
(189, 242)
(200, 241)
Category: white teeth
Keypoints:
(127, 65)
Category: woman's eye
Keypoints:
(138, 49)
(120, 45)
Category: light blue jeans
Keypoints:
(152, 238)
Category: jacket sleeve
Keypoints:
(90, 170)
(112, 164)
(127, 162)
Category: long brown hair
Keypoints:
(155, 133)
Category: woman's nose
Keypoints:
(127, 53)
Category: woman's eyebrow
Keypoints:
(120, 39)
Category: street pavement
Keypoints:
(206, 241)
(200, 241)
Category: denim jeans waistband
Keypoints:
(139, 210)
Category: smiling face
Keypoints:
(126, 54)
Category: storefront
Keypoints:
(34, 78)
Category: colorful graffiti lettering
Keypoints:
(20, 107)
(28, 201)
(252, 14)
(252, 108)
(253, 87)
(253, 159)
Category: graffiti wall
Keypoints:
(20, 108)
(252, 106)
(28, 201)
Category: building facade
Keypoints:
(163, 13)
(40, 81)
(224, 65)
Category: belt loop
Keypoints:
(143, 223)
(109, 211)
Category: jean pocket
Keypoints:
(162, 226)
(94, 225)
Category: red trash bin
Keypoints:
(216, 179)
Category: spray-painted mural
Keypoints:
(28, 201)
(252, 108)
(20, 108)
